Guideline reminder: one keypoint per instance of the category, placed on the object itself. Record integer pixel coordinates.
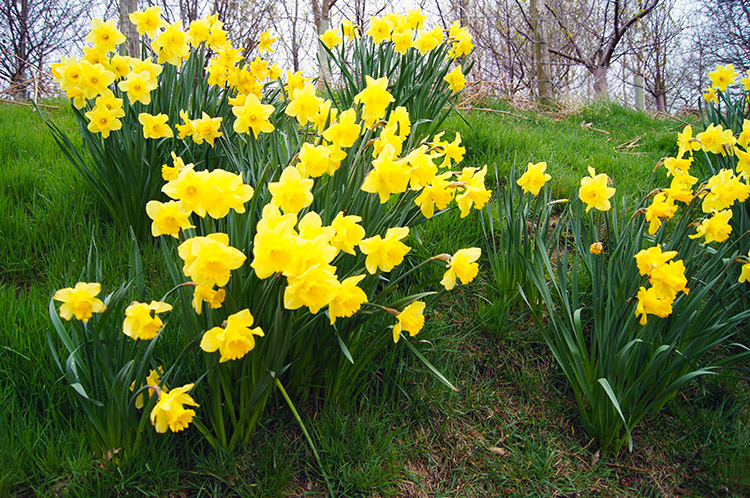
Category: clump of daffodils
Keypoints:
(327, 256)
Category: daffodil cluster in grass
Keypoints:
(284, 216)
(320, 253)
(104, 347)
(135, 108)
(192, 90)
(663, 290)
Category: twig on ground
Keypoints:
(630, 144)
(589, 126)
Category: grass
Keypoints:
(510, 430)
(621, 142)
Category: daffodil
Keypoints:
(595, 191)
(385, 253)
(375, 98)
(102, 120)
(209, 260)
(669, 279)
(348, 233)
(314, 160)
(345, 131)
(411, 319)
(148, 21)
(95, 79)
(437, 194)
(172, 45)
(652, 258)
(474, 194)
(265, 42)
(155, 126)
(348, 299)
(80, 301)
(389, 176)
(292, 192)
(273, 245)
(138, 86)
(455, 79)
(192, 188)
(314, 288)
(651, 302)
(716, 139)
(534, 178)
(686, 142)
(662, 206)
(168, 218)
(104, 35)
(170, 412)
(153, 379)
(723, 76)
(745, 274)
(206, 128)
(141, 321)
(331, 38)
(304, 104)
(235, 339)
(725, 189)
(380, 29)
(403, 41)
(463, 266)
(199, 31)
(715, 228)
(207, 294)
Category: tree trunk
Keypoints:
(322, 17)
(600, 81)
(19, 83)
(132, 45)
(640, 100)
(541, 55)
(661, 102)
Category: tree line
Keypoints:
(648, 53)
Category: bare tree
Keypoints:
(31, 31)
(594, 30)
(655, 54)
(503, 55)
(295, 30)
(725, 32)
(245, 20)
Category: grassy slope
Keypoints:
(632, 145)
(510, 430)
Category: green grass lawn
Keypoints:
(510, 430)
(623, 143)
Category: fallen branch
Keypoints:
(630, 144)
(589, 126)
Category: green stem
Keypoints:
(307, 434)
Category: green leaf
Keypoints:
(77, 387)
(438, 375)
(608, 389)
